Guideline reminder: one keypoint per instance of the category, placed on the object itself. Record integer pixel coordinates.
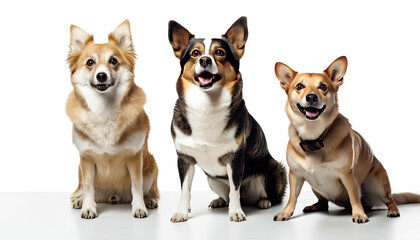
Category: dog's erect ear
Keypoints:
(336, 71)
(78, 39)
(237, 34)
(178, 37)
(122, 36)
(285, 75)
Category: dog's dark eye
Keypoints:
(90, 62)
(323, 87)
(299, 86)
(195, 53)
(113, 61)
(220, 53)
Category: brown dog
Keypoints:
(326, 152)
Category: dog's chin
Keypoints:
(206, 79)
(102, 88)
(311, 113)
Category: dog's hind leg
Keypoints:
(77, 196)
(377, 189)
(321, 205)
(378, 184)
(220, 189)
(151, 198)
(253, 192)
(150, 188)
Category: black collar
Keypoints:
(313, 145)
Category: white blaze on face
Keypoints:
(207, 45)
(103, 68)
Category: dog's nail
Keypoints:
(275, 218)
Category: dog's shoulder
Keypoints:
(75, 105)
(132, 109)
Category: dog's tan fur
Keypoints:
(345, 171)
(116, 172)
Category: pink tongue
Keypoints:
(204, 81)
(311, 114)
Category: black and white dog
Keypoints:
(212, 128)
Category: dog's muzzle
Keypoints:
(102, 85)
(206, 79)
(311, 111)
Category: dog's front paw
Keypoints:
(393, 213)
(237, 216)
(179, 217)
(264, 204)
(217, 203)
(282, 216)
(151, 202)
(89, 213)
(139, 213)
(360, 218)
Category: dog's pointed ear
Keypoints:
(178, 37)
(285, 75)
(122, 36)
(237, 34)
(336, 71)
(78, 39)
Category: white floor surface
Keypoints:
(50, 216)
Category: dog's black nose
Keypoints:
(101, 77)
(312, 98)
(205, 62)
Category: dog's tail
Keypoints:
(276, 181)
(407, 197)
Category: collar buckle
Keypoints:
(311, 145)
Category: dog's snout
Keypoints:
(205, 61)
(101, 77)
(312, 98)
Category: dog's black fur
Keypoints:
(252, 158)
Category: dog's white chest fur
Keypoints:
(104, 130)
(207, 114)
(324, 177)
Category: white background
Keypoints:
(380, 93)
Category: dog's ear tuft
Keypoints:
(178, 37)
(336, 71)
(122, 36)
(237, 34)
(285, 75)
(78, 39)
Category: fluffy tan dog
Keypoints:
(110, 126)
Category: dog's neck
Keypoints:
(103, 105)
(310, 130)
(314, 145)
(217, 98)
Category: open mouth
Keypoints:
(101, 87)
(311, 113)
(206, 79)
